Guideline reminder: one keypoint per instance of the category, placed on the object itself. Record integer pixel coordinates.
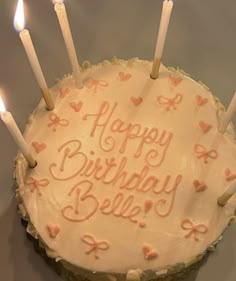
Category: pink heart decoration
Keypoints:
(205, 127)
(64, 92)
(136, 101)
(149, 253)
(76, 106)
(229, 176)
(200, 100)
(39, 146)
(175, 80)
(53, 230)
(124, 76)
(199, 186)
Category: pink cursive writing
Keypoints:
(109, 171)
(74, 163)
(161, 204)
(85, 204)
(133, 135)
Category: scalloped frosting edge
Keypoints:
(174, 271)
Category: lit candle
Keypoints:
(8, 119)
(223, 199)
(31, 54)
(228, 115)
(66, 32)
(164, 23)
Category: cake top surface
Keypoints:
(128, 167)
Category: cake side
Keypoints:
(127, 165)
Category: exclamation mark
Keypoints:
(147, 207)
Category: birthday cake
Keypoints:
(128, 173)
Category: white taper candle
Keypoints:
(228, 115)
(34, 62)
(19, 23)
(161, 38)
(66, 32)
(12, 127)
(223, 199)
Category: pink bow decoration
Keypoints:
(57, 121)
(194, 230)
(35, 184)
(202, 152)
(95, 84)
(95, 246)
(229, 176)
(170, 103)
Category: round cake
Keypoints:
(129, 170)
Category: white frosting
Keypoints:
(133, 275)
(156, 239)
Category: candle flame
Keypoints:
(2, 105)
(19, 19)
(58, 1)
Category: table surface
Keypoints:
(201, 40)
